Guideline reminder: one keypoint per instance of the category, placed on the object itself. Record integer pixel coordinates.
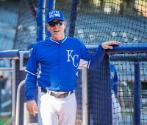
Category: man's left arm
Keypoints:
(90, 60)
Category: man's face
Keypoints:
(56, 28)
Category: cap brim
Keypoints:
(55, 19)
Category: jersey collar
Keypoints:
(58, 42)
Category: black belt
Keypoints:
(52, 93)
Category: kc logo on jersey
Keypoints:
(72, 57)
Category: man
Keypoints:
(114, 79)
(53, 67)
(116, 109)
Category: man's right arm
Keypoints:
(30, 88)
(31, 77)
(32, 107)
(30, 82)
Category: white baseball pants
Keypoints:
(116, 110)
(57, 111)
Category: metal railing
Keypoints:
(12, 56)
(13, 88)
(18, 102)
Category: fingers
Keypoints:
(32, 107)
(113, 42)
(110, 44)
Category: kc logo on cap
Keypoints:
(55, 15)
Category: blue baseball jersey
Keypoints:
(113, 78)
(53, 65)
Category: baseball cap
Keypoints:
(55, 15)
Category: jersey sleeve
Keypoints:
(31, 77)
(114, 78)
(85, 56)
(92, 59)
(97, 57)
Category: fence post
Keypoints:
(137, 94)
(84, 97)
(73, 17)
(20, 75)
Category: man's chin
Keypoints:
(57, 36)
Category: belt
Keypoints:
(55, 93)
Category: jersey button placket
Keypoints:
(59, 62)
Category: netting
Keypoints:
(125, 21)
(126, 87)
(98, 21)
(26, 27)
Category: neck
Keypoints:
(57, 38)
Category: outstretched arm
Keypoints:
(109, 44)
(97, 58)
(99, 55)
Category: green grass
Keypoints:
(3, 121)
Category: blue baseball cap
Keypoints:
(54, 15)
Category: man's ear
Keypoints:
(65, 23)
(47, 27)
